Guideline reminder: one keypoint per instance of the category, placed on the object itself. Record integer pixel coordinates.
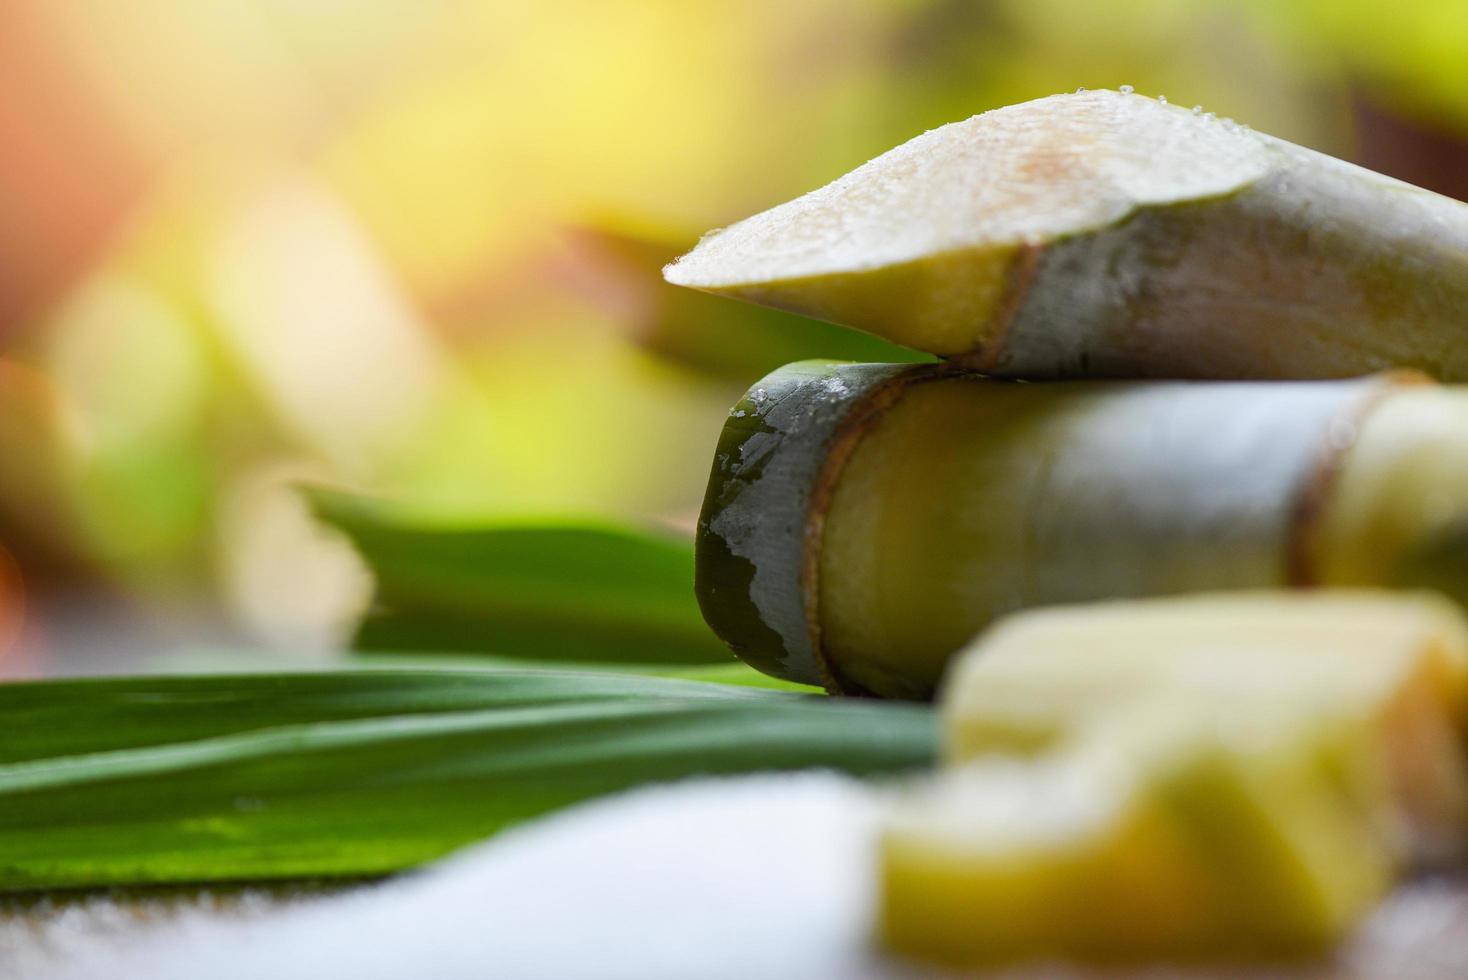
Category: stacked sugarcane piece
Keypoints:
(864, 522)
(1238, 774)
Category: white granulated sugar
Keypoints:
(761, 877)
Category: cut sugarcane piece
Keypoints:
(1110, 234)
(1293, 863)
(863, 522)
(1390, 669)
(1366, 643)
(1001, 860)
(1165, 834)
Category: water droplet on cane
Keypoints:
(1127, 90)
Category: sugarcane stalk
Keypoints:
(1108, 234)
(863, 522)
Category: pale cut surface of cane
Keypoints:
(1102, 233)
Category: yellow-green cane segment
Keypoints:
(863, 522)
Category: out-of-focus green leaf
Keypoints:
(551, 591)
(139, 781)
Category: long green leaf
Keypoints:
(565, 591)
(144, 781)
(226, 661)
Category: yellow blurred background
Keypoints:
(412, 247)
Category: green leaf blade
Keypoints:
(349, 782)
(564, 590)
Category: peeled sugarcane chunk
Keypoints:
(1391, 670)
(1351, 646)
(1292, 862)
(1102, 233)
(1002, 861)
(1159, 836)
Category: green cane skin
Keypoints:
(751, 543)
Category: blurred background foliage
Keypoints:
(411, 247)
